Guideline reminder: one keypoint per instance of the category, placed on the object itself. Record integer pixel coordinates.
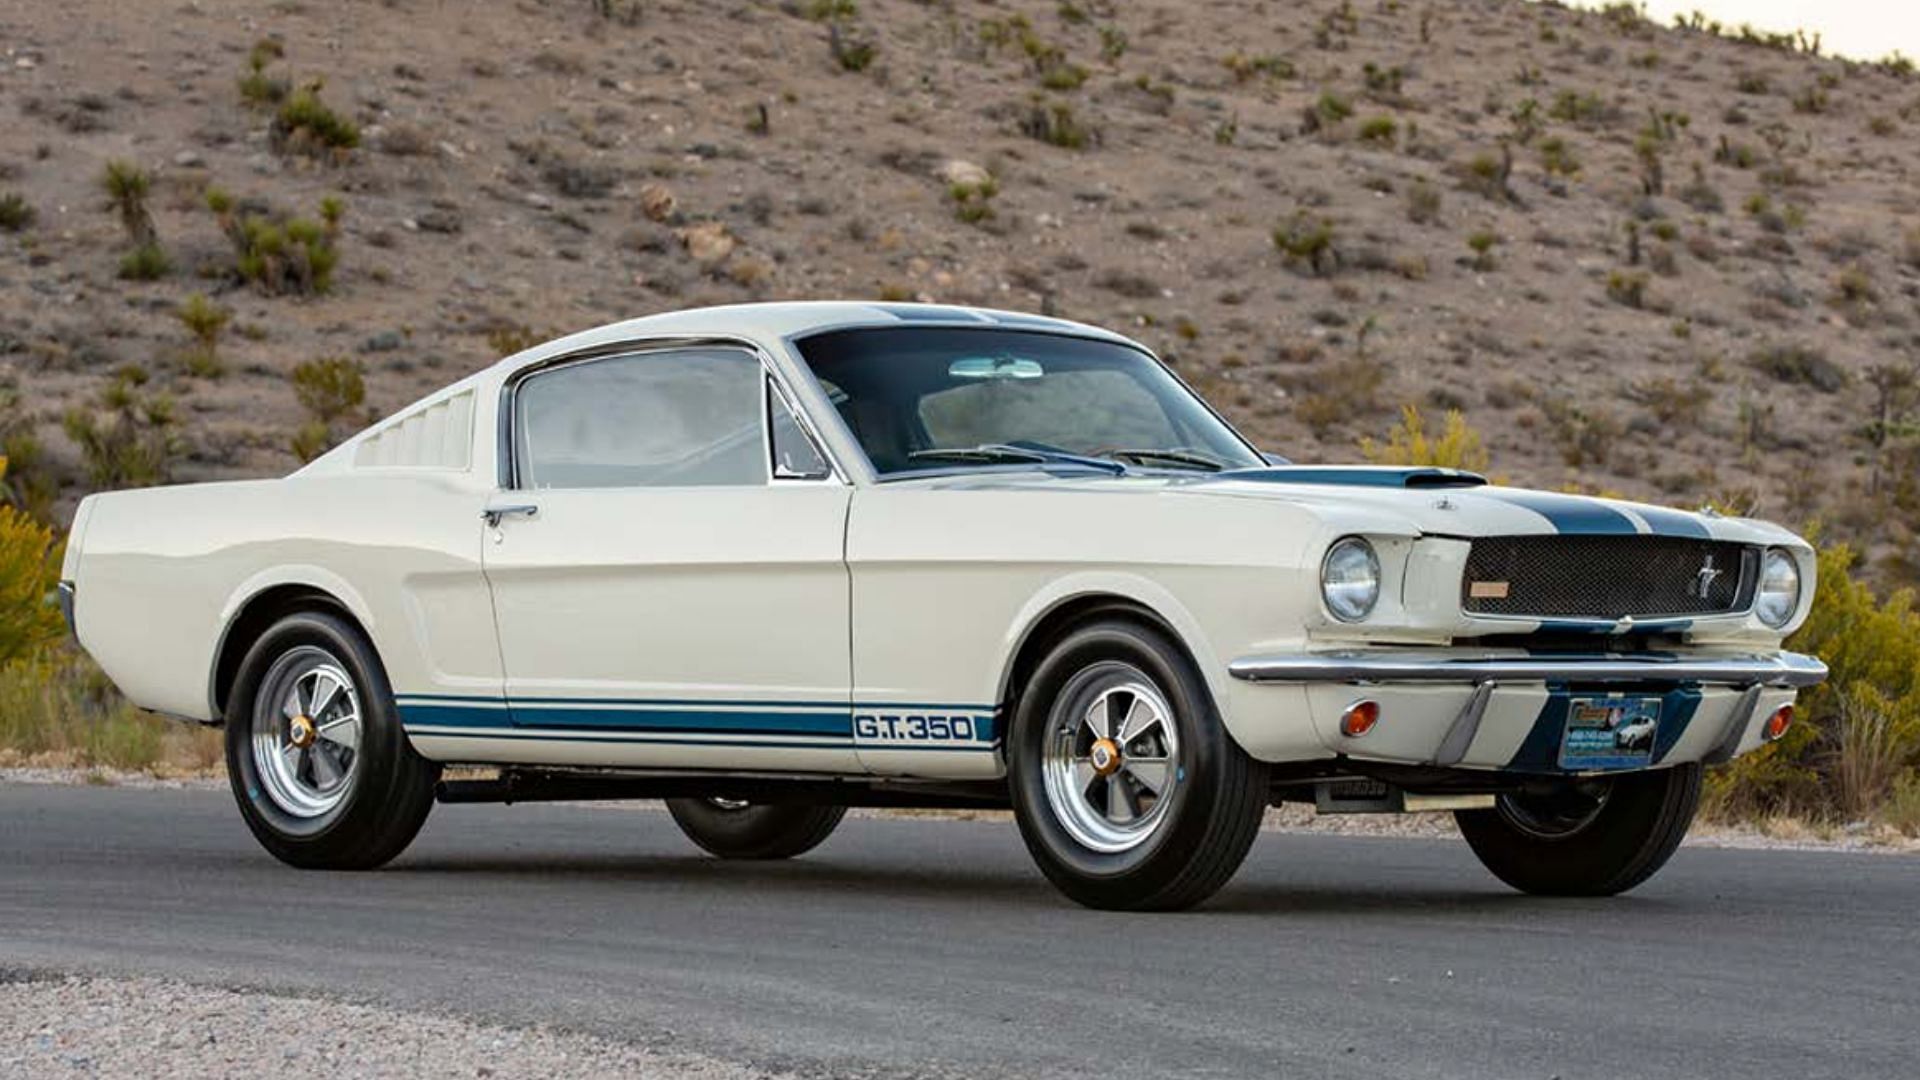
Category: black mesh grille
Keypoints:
(1606, 577)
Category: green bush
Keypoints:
(129, 438)
(1054, 123)
(1628, 287)
(257, 88)
(1801, 365)
(1245, 67)
(973, 202)
(1557, 157)
(24, 483)
(1331, 108)
(512, 338)
(830, 10)
(278, 255)
(1064, 76)
(329, 388)
(28, 570)
(16, 213)
(332, 389)
(1577, 108)
(127, 185)
(1310, 240)
(1379, 129)
(148, 262)
(1852, 751)
(306, 125)
(853, 52)
(1423, 203)
(204, 319)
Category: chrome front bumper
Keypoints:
(1780, 669)
(1405, 681)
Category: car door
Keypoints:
(668, 568)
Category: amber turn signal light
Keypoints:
(1779, 722)
(1359, 718)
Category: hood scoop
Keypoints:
(1374, 476)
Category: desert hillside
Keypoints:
(1663, 262)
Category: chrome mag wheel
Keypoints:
(1110, 760)
(306, 733)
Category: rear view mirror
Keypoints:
(994, 367)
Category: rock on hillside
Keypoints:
(1654, 261)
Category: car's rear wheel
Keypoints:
(1129, 792)
(316, 756)
(1586, 838)
(732, 829)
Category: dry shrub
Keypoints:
(1341, 392)
(1457, 446)
(56, 708)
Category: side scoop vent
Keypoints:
(436, 436)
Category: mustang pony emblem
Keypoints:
(1703, 579)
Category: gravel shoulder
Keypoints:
(1780, 835)
(137, 1027)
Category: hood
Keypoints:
(1450, 502)
(1413, 501)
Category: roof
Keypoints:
(767, 324)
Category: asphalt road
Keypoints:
(933, 947)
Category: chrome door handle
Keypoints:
(495, 514)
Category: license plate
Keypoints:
(1610, 733)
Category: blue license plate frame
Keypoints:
(1610, 732)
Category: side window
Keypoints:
(690, 418)
(794, 455)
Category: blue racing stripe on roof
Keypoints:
(931, 313)
(1038, 322)
(1570, 515)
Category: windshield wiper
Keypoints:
(1192, 459)
(1003, 452)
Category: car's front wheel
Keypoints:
(1593, 837)
(316, 756)
(1129, 792)
(732, 829)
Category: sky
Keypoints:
(1860, 29)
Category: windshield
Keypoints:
(920, 398)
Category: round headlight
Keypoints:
(1350, 579)
(1779, 595)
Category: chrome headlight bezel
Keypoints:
(1350, 579)
(1777, 599)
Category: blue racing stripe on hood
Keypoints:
(1665, 522)
(1570, 515)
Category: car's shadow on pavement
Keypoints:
(763, 877)
(882, 882)
(1402, 900)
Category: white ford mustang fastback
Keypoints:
(771, 561)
